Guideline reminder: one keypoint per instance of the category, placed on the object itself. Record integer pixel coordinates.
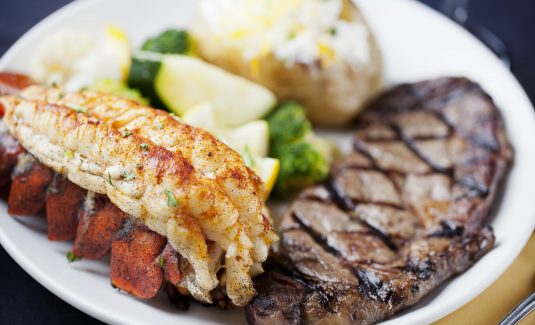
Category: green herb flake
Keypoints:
(61, 95)
(248, 156)
(171, 200)
(291, 35)
(333, 31)
(76, 108)
(128, 176)
(69, 154)
(161, 262)
(127, 134)
(52, 190)
(159, 125)
(144, 146)
(109, 179)
(71, 257)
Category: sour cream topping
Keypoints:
(295, 31)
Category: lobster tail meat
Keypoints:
(205, 153)
(63, 202)
(180, 185)
(134, 265)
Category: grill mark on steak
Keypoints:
(410, 143)
(318, 238)
(349, 205)
(391, 225)
(487, 143)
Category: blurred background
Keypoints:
(507, 26)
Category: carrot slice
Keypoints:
(63, 202)
(134, 260)
(99, 221)
(28, 188)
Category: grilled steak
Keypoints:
(400, 215)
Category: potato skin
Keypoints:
(333, 94)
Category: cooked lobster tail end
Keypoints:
(154, 184)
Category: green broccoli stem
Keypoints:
(303, 161)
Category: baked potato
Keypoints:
(320, 53)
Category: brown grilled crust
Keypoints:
(398, 217)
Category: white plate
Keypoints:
(417, 43)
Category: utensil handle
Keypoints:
(520, 311)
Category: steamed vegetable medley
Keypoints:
(275, 139)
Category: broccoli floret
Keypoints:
(301, 165)
(304, 157)
(118, 88)
(171, 41)
(288, 123)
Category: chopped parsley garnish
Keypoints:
(69, 154)
(52, 189)
(161, 262)
(144, 146)
(248, 156)
(61, 95)
(171, 200)
(127, 134)
(291, 35)
(109, 178)
(76, 108)
(128, 176)
(332, 31)
(71, 257)
(159, 124)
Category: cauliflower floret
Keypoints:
(76, 58)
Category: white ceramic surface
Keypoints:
(417, 43)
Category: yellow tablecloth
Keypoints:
(498, 300)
